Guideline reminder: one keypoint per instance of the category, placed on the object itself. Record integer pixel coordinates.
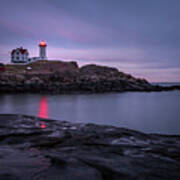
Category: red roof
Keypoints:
(2, 67)
(21, 50)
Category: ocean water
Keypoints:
(166, 84)
(150, 112)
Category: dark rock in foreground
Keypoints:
(66, 77)
(33, 148)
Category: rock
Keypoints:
(67, 77)
(64, 150)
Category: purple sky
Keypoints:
(141, 37)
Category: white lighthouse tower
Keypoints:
(42, 50)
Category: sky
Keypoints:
(140, 37)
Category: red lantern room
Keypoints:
(42, 44)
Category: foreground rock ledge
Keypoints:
(34, 148)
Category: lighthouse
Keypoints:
(42, 50)
(21, 55)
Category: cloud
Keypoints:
(136, 36)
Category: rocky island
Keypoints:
(35, 148)
(67, 77)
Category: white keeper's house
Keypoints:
(20, 55)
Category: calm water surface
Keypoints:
(155, 112)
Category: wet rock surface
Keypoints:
(63, 77)
(40, 149)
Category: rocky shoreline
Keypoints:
(35, 148)
(67, 77)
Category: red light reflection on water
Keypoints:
(43, 108)
(43, 125)
(43, 111)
